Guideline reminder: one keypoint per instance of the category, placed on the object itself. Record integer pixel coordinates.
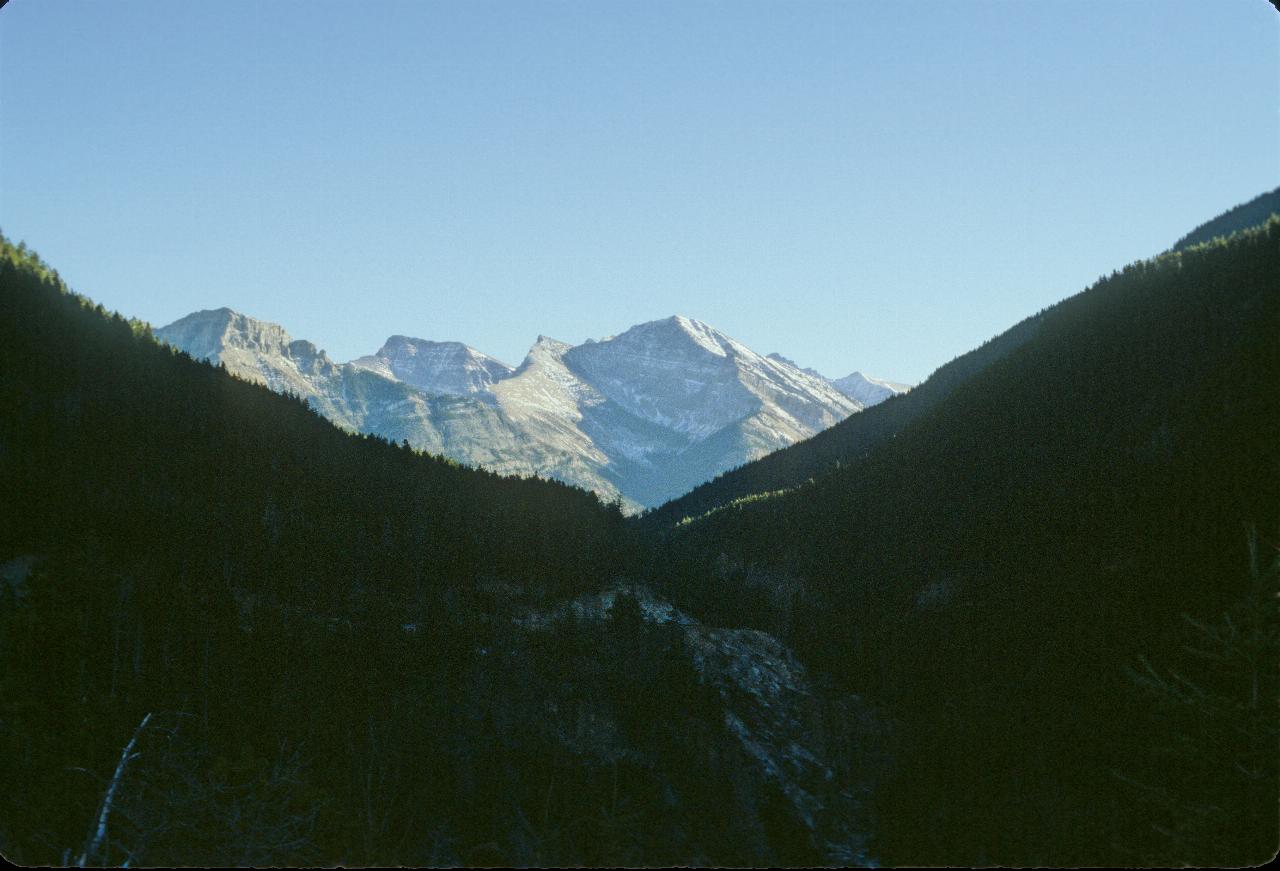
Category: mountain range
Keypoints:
(1022, 616)
(639, 417)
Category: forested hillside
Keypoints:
(235, 635)
(1027, 614)
(994, 571)
(852, 439)
(1242, 217)
(842, 443)
(180, 542)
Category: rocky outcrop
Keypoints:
(792, 739)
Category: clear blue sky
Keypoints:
(878, 186)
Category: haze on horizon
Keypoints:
(853, 185)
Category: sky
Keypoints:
(876, 186)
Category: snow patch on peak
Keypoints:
(669, 373)
(436, 368)
(545, 351)
(678, 329)
(787, 361)
(707, 337)
(550, 345)
(866, 390)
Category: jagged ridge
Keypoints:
(639, 417)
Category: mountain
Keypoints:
(868, 391)
(235, 635)
(862, 389)
(215, 576)
(449, 368)
(357, 398)
(640, 417)
(1022, 615)
(675, 401)
(1054, 564)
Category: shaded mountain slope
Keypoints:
(841, 443)
(322, 649)
(845, 442)
(177, 541)
(989, 571)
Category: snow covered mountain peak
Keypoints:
(437, 368)
(703, 335)
(686, 376)
(643, 415)
(678, 330)
(868, 390)
(676, 373)
(546, 347)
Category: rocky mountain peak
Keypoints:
(681, 330)
(867, 390)
(436, 368)
(206, 334)
(645, 414)
(546, 347)
(677, 373)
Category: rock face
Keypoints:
(353, 397)
(640, 417)
(450, 368)
(781, 727)
(694, 380)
